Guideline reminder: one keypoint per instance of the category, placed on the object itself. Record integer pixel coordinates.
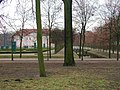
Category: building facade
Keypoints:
(29, 39)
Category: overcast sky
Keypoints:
(10, 10)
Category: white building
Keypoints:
(30, 38)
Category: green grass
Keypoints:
(23, 50)
(35, 56)
(56, 83)
(102, 54)
(30, 56)
(74, 81)
(84, 76)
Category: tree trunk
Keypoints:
(80, 44)
(47, 50)
(21, 46)
(39, 40)
(117, 47)
(110, 38)
(109, 48)
(4, 39)
(21, 38)
(12, 48)
(49, 43)
(83, 42)
(68, 55)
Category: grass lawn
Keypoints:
(34, 55)
(30, 56)
(102, 54)
(86, 75)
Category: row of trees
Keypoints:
(106, 36)
(111, 15)
(69, 59)
(84, 11)
(25, 15)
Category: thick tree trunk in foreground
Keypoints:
(68, 55)
(39, 40)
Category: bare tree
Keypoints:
(23, 11)
(116, 22)
(51, 13)
(9, 24)
(111, 15)
(39, 40)
(106, 14)
(84, 10)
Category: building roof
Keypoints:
(29, 31)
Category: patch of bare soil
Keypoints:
(108, 69)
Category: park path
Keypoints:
(61, 52)
(54, 59)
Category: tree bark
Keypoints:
(49, 42)
(117, 46)
(110, 46)
(21, 38)
(12, 48)
(83, 42)
(68, 54)
(80, 44)
(39, 40)
(21, 46)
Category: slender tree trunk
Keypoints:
(49, 43)
(83, 43)
(21, 46)
(80, 44)
(12, 49)
(110, 38)
(49, 21)
(110, 46)
(117, 47)
(47, 50)
(69, 57)
(117, 28)
(39, 40)
(21, 38)
(118, 34)
(4, 40)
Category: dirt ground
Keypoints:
(29, 69)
